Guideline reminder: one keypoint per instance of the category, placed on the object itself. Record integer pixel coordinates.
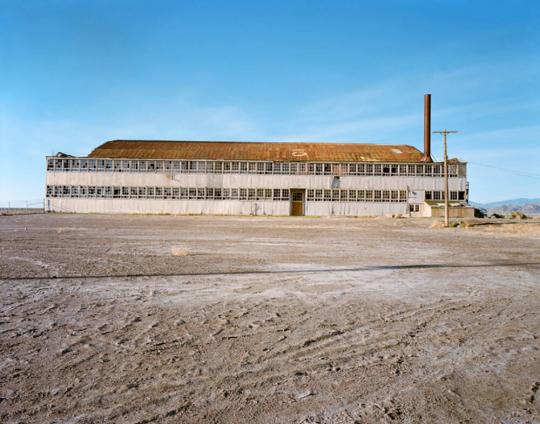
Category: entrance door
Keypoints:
(297, 202)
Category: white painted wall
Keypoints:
(415, 185)
(220, 207)
(157, 206)
(134, 179)
(355, 208)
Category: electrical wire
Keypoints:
(512, 171)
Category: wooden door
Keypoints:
(297, 202)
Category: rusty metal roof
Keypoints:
(256, 151)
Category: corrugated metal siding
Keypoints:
(256, 151)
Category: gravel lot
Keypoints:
(141, 319)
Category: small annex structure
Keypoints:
(254, 178)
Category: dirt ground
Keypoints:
(142, 319)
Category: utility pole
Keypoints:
(446, 206)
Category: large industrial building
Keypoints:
(254, 178)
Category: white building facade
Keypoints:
(245, 178)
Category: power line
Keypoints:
(512, 171)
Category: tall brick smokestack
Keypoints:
(427, 128)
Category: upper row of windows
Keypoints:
(237, 167)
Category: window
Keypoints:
(402, 169)
(369, 169)
(402, 195)
(297, 196)
(326, 168)
(453, 195)
(211, 193)
(428, 195)
(293, 169)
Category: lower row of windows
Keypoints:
(208, 193)
(439, 195)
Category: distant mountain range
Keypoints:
(527, 206)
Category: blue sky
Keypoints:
(74, 74)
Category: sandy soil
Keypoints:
(141, 319)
